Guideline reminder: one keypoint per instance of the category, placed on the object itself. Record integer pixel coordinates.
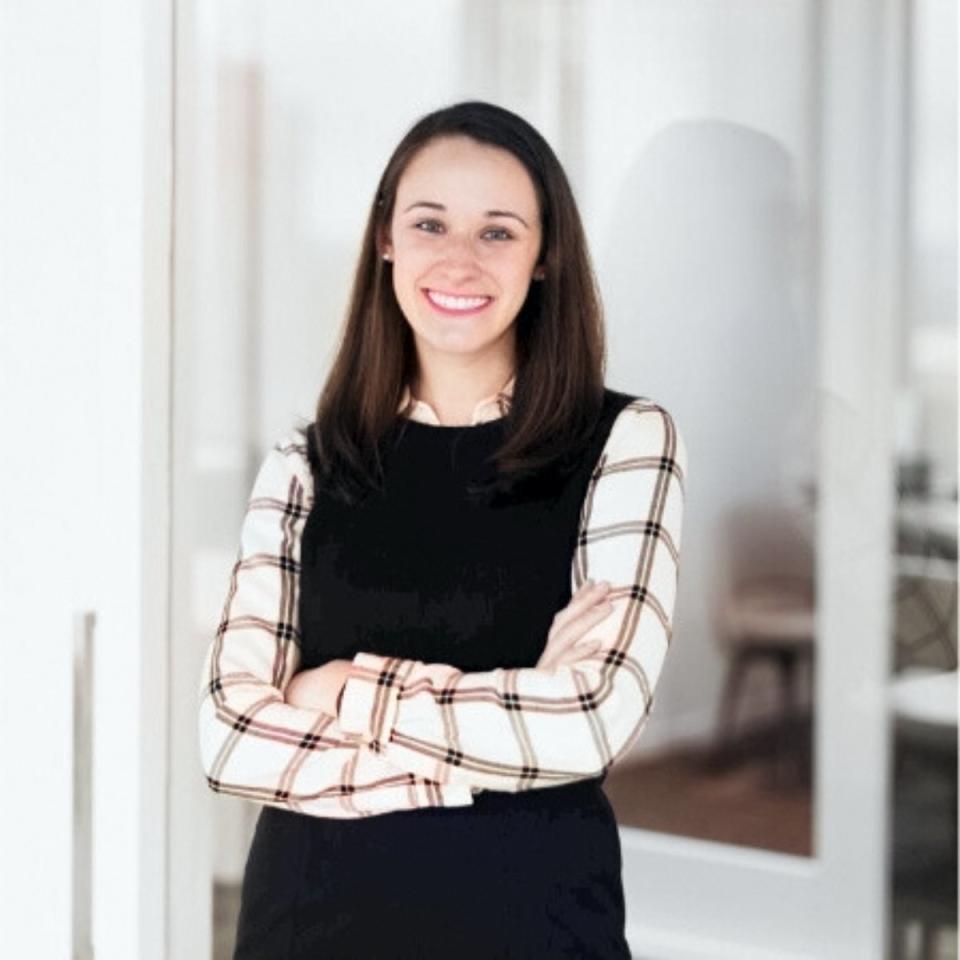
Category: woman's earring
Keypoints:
(386, 256)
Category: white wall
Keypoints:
(49, 295)
(79, 505)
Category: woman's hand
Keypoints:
(318, 687)
(587, 607)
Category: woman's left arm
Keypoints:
(513, 729)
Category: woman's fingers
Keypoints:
(583, 648)
(587, 607)
(563, 642)
(574, 630)
(574, 653)
(587, 595)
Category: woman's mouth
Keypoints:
(452, 305)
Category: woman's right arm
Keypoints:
(252, 743)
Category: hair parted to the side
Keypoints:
(560, 355)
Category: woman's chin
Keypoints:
(457, 341)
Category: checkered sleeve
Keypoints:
(512, 729)
(252, 743)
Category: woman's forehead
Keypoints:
(460, 171)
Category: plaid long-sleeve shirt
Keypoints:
(410, 734)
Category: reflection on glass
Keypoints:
(707, 243)
(750, 782)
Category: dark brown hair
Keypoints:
(560, 356)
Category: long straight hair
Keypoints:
(560, 355)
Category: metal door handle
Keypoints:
(83, 629)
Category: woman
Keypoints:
(454, 590)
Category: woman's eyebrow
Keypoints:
(489, 213)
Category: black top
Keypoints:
(426, 571)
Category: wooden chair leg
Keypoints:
(928, 940)
(782, 756)
(903, 942)
(724, 736)
(777, 748)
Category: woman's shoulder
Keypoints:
(642, 425)
(619, 400)
(285, 469)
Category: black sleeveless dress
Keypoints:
(427, 572)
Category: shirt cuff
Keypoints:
(369, 698)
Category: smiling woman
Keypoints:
(462, 262)
(415, 672)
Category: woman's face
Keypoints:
(464, 239)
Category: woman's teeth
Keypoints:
(456, 303)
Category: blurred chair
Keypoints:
(925, 613)
(923, 698)
(927, 528)
(767, 617)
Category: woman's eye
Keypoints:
(434, 226)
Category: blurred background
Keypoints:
(770, 194)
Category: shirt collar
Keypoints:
(489, 408)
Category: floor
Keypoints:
(745, 795)
(707, 798)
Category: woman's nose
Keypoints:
(459, 250)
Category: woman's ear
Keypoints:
(385, 247)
